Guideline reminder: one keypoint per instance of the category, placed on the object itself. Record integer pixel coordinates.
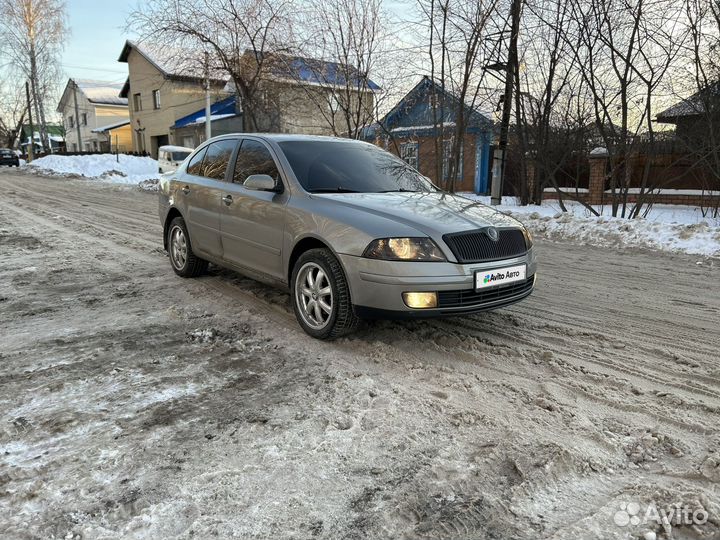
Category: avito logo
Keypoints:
(501, 276)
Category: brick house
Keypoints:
(409, 131)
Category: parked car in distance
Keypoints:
(9, 157)
(170, 157)
(350, 229)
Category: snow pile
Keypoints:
(106, 167)
(673, 228)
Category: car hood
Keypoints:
(433, 214)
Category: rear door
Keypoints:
(200, 190)
(252, 222)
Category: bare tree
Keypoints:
(244, 36)
(13, 110)
(347, 41)
(552, 114)
(623, 51)
(701, 138)
(33, 32)
(457, 52)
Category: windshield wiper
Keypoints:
(398, 190)
(334, 190)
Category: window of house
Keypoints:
(137, 102)
(71, 121)
(195, 165)
(447, 158)
(217, 159)
(156, 99)
(83, 118)
(409, 153)
(254, 158)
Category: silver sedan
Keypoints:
(351, 230)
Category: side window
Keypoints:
(254, 158)
(217, 159)
(195, 165)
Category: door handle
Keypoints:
(186, 190)
(227, 199)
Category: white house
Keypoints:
(98, 105)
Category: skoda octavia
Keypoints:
(350, 229)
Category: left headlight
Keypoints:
(404, 249)
(528, 238)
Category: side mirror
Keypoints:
(261, 182)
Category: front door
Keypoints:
(252, 222)
(199, 193)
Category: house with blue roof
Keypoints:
(312, 96)
(411, 130)
(225, 117)
(166, 98)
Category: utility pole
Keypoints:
(499, 159)
(31, 146)
(77, 117)
(208, 120)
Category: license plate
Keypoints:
(499, 276)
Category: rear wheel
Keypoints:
(184, 262)
(321, 296)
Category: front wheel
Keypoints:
(321, 296)
(184, 261)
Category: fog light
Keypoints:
(420, 300)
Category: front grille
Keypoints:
(476, 246)
(470, 297)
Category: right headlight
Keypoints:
(404, 249)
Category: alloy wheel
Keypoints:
(313, 294)
(178, 247)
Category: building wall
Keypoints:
(300, 109)
(177, 99)
(118, 139)
(97, 116)
(427, 159)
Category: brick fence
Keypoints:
(597, 194)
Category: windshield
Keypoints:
(350, 167)
(179, 156)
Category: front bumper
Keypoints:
(376, 286)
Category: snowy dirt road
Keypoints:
(136, 404)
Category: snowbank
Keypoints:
(104, 167)
(674, 228)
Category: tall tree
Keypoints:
(34, 32)
(353, 36)
(624, 50)
(243, 36)
(457, 52)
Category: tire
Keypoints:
(340, 319)
(182, 258)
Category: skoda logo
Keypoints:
(492, 233)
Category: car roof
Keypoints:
(173, 148)
(286, 137)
